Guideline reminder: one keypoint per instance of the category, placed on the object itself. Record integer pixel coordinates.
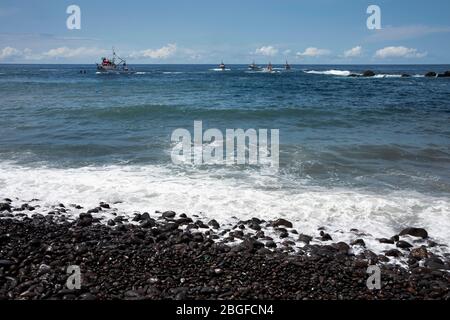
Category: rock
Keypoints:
(404, 245)
(386, 241)
(5, 207)
(168, 214)
(446, 74)
(419, 253)
(284, 234)
(271, 244)
(104, 205)
(393, 253)
(368, 73)
(213, 223)
(281, 222)
(305, 238)
(342, 247)
(254, 226)
(405, 75)
(415, 232)
(325, 236)
(395, 238)
(6, 263)
(435, 263)
(358, 242)
(430, 74)
(111, 223)
(251, 245)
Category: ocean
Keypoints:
(366, 153)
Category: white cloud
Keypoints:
(65, 52)
(313, 52)
(399, 52)
(287, 52)
(161, 53)
(268, 51)
(353, 52)
(10, 53)
(406, 32)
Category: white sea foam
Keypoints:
(220, 195)
(173, 72)
(219, 69)
(343, 73)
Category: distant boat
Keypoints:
(113, 65)
(287, 66)
(222, 66)
(254, 67)
(270, 67)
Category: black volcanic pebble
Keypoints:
(386, 241)
(104, 205)
(168, 214)
(415, 232)
(5, 207)
(213, 223)
(403, 244)
(393, 253)
(281, 223)
(305, 238)
(325, 236)
(358, 242)
(165, 262)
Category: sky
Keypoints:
(209, 31)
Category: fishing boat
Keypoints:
(254, 67)
(113, 65)
(269, 67)
(287, 66)
(222, 66)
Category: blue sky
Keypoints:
(208, 31)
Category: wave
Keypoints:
(173, 72)
(220, 70)
(343, 73)
(221, 194)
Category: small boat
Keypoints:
(254, 67)
(113, 65)
(287, 66)
(270, 67)
(222, 66)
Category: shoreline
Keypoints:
(171, 256)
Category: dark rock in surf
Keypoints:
(168, 214)
(5, 207)
(431, 74)
(415, 232)
(368, 73)
(393, 253)
(358, 242)
(446, 74)
(325, 236)
(404, 245)
(386, 241)
(214, 224)
(281, 222)
(305, 238)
